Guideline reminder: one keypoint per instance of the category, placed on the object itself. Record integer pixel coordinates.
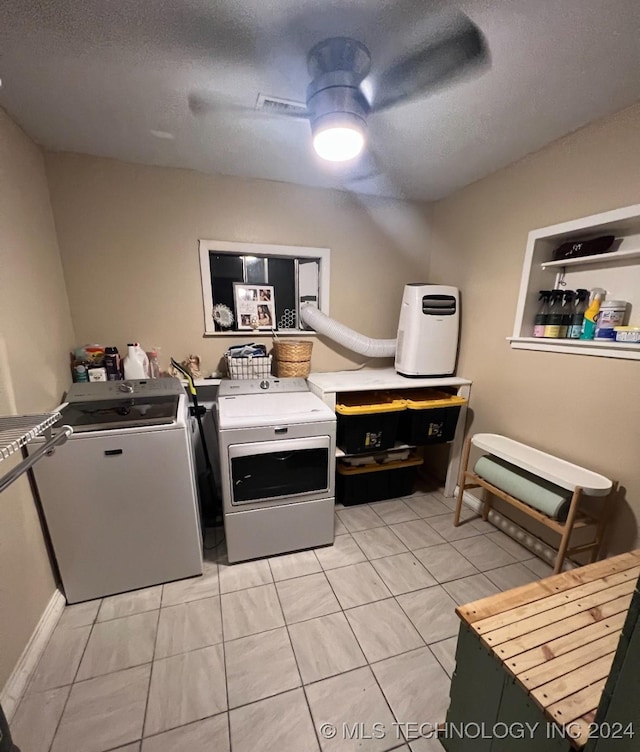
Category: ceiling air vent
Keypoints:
(279, 106)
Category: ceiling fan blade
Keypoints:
(368, 167)
(451, 54)
(206, 103)
(365, 175)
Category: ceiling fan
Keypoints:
(339, 101)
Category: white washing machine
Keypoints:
(277, 446)
(119, 498)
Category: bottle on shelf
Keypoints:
(567, 311)
(112, 364)
(612, 314)
(154, 365)
(580, 304)
(541, 316)
(80, 373)
(554, 317)
(136, 363)
(591, 314)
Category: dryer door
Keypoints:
(295, 469)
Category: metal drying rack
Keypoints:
(16, 431)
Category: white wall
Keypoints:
(585, 409)
(35, 336)
(129, 235)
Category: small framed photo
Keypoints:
(255, 306)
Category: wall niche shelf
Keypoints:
(600, 259)
(618, 272)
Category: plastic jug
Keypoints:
(136, 362)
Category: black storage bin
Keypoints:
(431, 417)
(359, 485)
(367, 421)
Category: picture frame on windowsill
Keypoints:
(255, 307)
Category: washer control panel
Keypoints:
(109, 390)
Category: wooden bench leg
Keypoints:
(486, 503)
(461, 479)
(568, 529)
(605, 516)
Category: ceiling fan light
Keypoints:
(338, 142)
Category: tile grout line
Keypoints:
(386, 527)
(428, 645)
(173, 728)
(370, 664)
(357, 643)
(151, 663)
(315, 681)
(224, 656)
(367, 662)
(153, 658)
(66, 702)
(295, 658)
(342, 610)
(437, 642)
(369, 561)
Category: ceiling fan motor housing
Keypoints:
(338, 66)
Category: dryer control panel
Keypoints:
(230, 387)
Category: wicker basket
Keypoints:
(257, 367)
(293, 358)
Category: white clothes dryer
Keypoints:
(277, 446)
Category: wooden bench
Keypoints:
(562, 653)
(576, 479)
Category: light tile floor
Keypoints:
(257, 656)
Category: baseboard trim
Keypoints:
(12, 692)
(520, 535)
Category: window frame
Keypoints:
(237, 248)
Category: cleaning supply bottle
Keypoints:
(580, 305)
(136, 363)
(591, 314)
(112, 364)
(554, 317)
(543, 311)
(154, 365)
(567, 311)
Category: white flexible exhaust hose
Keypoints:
(334, 330)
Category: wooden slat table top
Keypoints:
(558, 637)
(559, 583)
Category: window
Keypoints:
(296, 274)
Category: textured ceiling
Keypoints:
(98, 76)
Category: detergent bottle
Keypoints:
(591, 314)
(136, 362)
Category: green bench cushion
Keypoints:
(538, 493)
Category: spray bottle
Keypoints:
(581, 303)
(591, 314)
(540, 319)
(553, 323)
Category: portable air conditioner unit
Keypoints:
(428, 330)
